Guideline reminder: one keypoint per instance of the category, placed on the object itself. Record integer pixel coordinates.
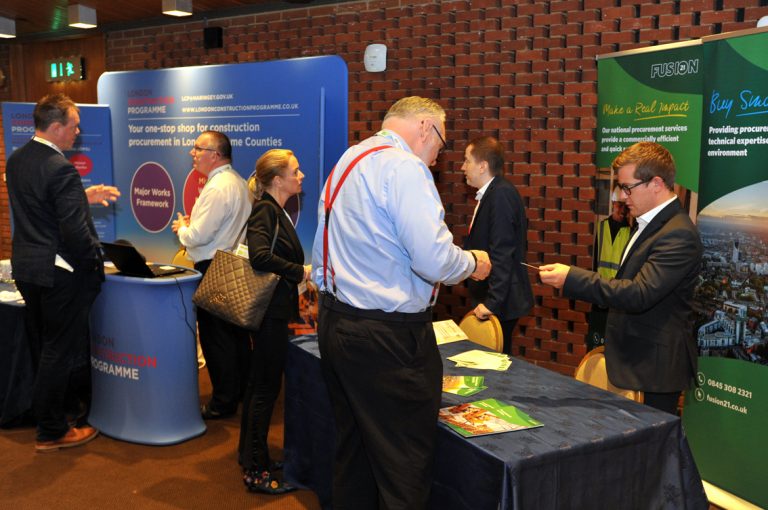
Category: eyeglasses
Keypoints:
(442, 140)
(627, 188)
(201, 149)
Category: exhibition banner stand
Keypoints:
(728, 410)
(91, 155)
(298, 104)
(717, 92)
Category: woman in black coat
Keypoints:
(277, 178)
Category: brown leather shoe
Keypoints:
(73, 437)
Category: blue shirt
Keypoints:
(387, 241)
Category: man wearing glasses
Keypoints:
(385, 248)
(216, 219)
(649, 343)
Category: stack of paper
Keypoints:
(482, 360)
(464, 385)
(7, 296)
(447, 332)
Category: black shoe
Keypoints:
(265, 483)
(208, 413)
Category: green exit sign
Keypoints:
(64, 69)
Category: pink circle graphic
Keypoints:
(193, 185)
(152, 197)
(82, 163)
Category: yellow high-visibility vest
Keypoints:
(611, 249)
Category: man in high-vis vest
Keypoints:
(613, 235)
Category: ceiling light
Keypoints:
(177, 7)
(81, 16)
(7, 28)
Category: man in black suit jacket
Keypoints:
(498, 226)
(649, 342)
(56, 262)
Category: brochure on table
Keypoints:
(484, 417)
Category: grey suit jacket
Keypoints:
(50, 215)
(650, 344)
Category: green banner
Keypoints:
(652, 96)
(735, 130)
(725, 415)
(724, 419)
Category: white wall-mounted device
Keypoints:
(375, 58)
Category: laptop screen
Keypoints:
(130, 262)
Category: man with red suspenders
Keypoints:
(380, 250)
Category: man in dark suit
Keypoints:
(649, 343)
(56, 263)
(498, 226)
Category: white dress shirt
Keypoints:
(479, 197)
(218, 216)
(642, 221)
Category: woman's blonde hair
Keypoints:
(268, 166)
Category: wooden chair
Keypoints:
(486, 332)
(181, 259)
(592, 371)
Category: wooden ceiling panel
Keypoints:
(48, 18)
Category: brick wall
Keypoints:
(522, 71)
(5, 211)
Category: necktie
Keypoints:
(474, 213)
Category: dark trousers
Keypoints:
(507, 327)
(270, 344)
(226, 348)
(384, 381)
(59, 340)
(666, 402)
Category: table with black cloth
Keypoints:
(16, 371)
(595, 450)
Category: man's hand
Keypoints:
(482, 312)
(554, 274)
(101, 194)
(483, 267)
(180, 221)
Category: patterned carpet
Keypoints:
(109, 474)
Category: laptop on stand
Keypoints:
(130, 262)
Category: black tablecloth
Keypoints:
(16, 372)
(596, 449)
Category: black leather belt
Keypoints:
(327, 300)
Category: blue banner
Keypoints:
(91, 154)
(298, 104)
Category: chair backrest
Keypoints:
(181, 259)
(484, 332)
(592, 371)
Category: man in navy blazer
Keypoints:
(498, 226)
(649, 341)
(56, 261)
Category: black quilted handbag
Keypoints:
(233, 291)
